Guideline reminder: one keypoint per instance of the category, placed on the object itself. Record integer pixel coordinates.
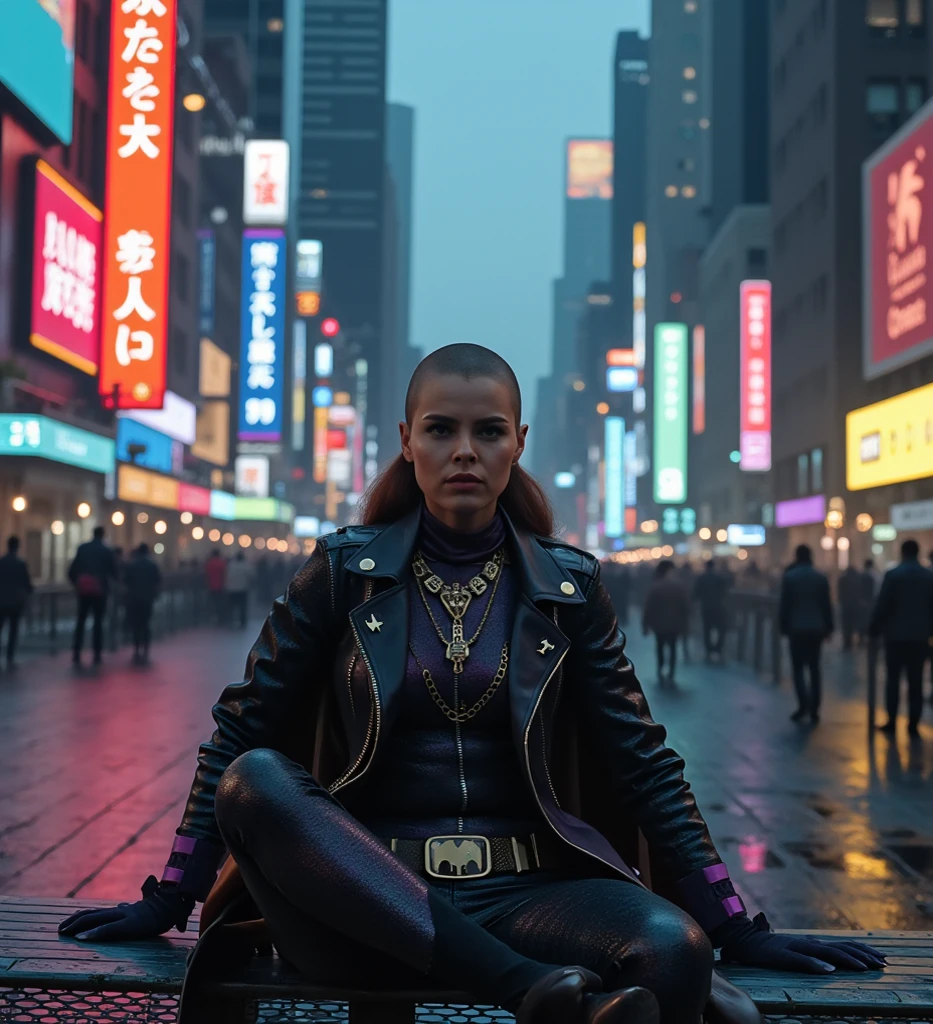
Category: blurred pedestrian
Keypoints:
(710, 592)
(618, 581)
(142, 581)
(805, 617)
(15, 588)
(850, 600)
(215, 572)
(92, 571)
(903, 615)
(687, 577)
(666, 614)
(239, 578)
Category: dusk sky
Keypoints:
(497, 86)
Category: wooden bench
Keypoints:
(44, 976)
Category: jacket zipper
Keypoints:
(375, 714)
(460, 768)
(350, 682)
(535, 790)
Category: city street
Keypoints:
(820, 828)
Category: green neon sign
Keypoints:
(670, 414)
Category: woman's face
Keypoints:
(463, 441)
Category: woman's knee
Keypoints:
(256, 780)
(674, 958)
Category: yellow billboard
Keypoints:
(145, 488)
(890, 441)
(214, 377)
(213, 433)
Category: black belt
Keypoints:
(457, 857)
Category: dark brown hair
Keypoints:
(395, 492)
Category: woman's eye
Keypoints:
(491, 432)
(438, 429)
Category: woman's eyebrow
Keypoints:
(438, 417)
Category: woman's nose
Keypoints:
(465, 451)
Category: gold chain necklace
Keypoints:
(465, 716)
(456, 599)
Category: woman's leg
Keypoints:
(281, 825)
(626, 934)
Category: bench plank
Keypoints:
(32, 954)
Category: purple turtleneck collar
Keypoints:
(441, 543)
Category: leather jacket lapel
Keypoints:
(536, 650)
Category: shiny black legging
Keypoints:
(332, 893)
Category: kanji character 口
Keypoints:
(143, 340)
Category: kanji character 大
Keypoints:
(139, 136)
(142, 340)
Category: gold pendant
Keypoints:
(457, 652)
(456, 600)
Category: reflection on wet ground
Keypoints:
(822, 826)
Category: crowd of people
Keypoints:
(895, 608)
(102, 575)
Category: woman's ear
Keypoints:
(520, 444)
(405, 435)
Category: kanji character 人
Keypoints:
(143, 340)
(140, 89)
(134, 302)
(262, 304)
(143, 43)
(139, 135)
(260, 376)
(144, 7)
(136, 253)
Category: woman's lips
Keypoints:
(463, 481)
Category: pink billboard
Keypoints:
(897, 229)
(65, 308)
(755, 377)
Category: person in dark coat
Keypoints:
(805, 616)
(710, 591)
(903, 615)
(142, 581)
(666, 614)
(92, 571)
(850, 596)
(15, 588)
(618, 580)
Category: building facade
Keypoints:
(844, 78)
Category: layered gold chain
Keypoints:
(465, 716)
(456, 598)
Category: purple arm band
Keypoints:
(192, 866)
(709, 897)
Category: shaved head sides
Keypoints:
(467, 361)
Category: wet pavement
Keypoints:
(820, 827)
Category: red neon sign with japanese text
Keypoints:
(755, 376)
(136, 253)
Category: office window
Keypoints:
(816, 466)
(915, 94)
(882, 16)
(803, 474)
(914, 18)
(882, 104)
(689, 96)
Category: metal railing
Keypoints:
(49, 619)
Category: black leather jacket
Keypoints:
(323, 687)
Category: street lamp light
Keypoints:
(19, 503)
(84, 510)
(194, 102)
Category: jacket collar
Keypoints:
(391, 550)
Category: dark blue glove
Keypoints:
(160, 908)
(753, 943)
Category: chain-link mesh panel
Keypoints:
(32, 1006)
